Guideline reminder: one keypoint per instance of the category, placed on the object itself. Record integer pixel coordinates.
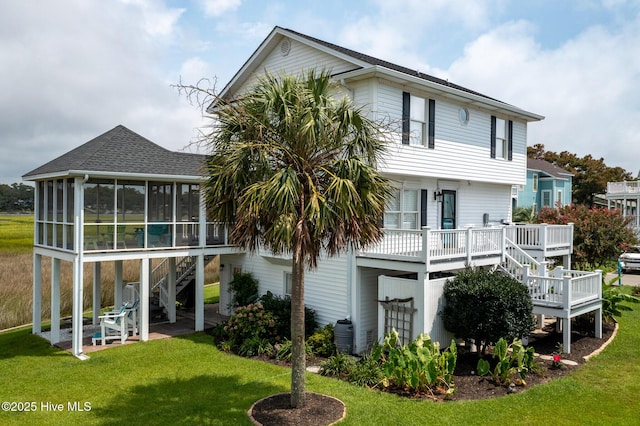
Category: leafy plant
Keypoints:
(417, 366)
(524, 215)
(283, 350)
(614, 299)
(243, 288)
(485, 306)
(256, 346)
(511, 360)
(366, 372)
(338, 365)
(321, 341)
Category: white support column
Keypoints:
(144, 299)
(55, 300)
(97, 292)
(36, 314)
(421, 320)
(171, 290)
(76, 316)
(118, 283)
(566, 335)
(77, 285)
(202, 221)
(200, 292)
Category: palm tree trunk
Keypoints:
(298, 361)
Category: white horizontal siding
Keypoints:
(476, 199)
(301, 57)
(325, 287)
(461, 151)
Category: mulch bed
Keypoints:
(324, 410)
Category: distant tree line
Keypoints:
(590, 175)
(16, 198)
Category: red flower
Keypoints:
(556, 358)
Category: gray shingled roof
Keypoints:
(379, 62)
(548, 168)
(125, 152)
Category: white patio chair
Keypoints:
(117, 324)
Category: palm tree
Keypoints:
(294, 170)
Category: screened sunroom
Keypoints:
(121, 197)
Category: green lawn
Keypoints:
(188, 381)
(212, 293)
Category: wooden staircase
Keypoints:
(560, 292)
(185, 273)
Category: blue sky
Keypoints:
(73, 69)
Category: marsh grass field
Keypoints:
(16, 276)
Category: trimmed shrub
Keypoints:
(248, 322)
(485, 306)
(280, 307)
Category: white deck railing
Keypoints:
(563, 289)
(429, 246)
(542, 237)
(630, 187)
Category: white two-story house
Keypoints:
(453, 154)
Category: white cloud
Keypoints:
(217, 8)
(588, 88)
(78, 69)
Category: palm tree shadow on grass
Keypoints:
(205, 399)
(21, 343)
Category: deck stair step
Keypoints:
(185, 276)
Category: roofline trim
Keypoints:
(105, 174)
(446, 91)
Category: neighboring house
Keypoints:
(547, 186)
(626, 197)
(454, 156)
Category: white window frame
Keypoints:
(287, 283)
(560, 198)
(502, 149)
(418, 112)
(535, 183)
(404, 213)
(543, 194)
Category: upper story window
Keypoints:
(501, 138)
(418, 120)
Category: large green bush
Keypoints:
(280, 307)
(485, 306)
(247, 323)
(599, 234)
(244, 289)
